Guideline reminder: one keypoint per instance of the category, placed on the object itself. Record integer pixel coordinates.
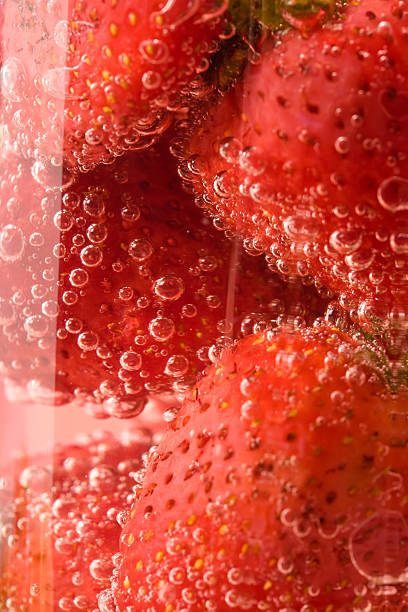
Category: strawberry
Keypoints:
(90, 80)
(119, 286)
(307, 158)
(61, 523)
(280, 485)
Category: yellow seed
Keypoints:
(159, 556)
(191, 519)
(244, 548)
(105, 75)
(223, 529)
(159, 20)
(125, 59)
(198, 564)
(108, 52)
(113, 29)
(267, 585)
(347, 440)
(126, 582)
(258, 340)
(131, 539)
(139, 566)
(169, 608)
(132, 17)
(224, 405)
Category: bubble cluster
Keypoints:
(281, 485)
(317, 183)
(62, 528)
(92, 89)
(124, 273)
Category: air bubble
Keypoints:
(51, 176)
(140, 249)
(63, 220)
(101, 569)
(392, 194)
(36, 326)
(347, 241)
(154, 51)
(230, 149)
(103, 478)
(13, 79)
(161, 328)
(131, 361)
(88, 341)
(79, 277)
(97, 233)
(93, 204)
(399, 242)
(91, 256)
(379, 548)
(56, 83)
(177, 366)
(11, 243)
(169, 287)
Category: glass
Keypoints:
(116, 293)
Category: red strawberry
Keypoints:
(61, 524)
(281, 485)
(119, 286)
(91, 80)
(311, 158)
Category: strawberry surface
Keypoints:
(61, 522)
(119, 287)
(307, 158)
(90, 80)
(280, 485)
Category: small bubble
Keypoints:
(342, 145)
(230, 149)
(252, 160)
(50, 308)
(346, 241)
(131, 361)
(101, 569)
(35, 478)
(91, 256)
(69, 298)
(151, 79)
(177, 365)
(78, 277)
(140, 249)
(50, 176)
(154, 51)
(393, 194)
(103, 478)
(73, 325)
(36, 326)
(189, 311)
(97, 233)
(169, 287)
(13, 79)
(161, 328)
(93, 204)
(63, 220)
(36, 240)
(11, 243)
(88, 341)
(56, 83)
(399, 242)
